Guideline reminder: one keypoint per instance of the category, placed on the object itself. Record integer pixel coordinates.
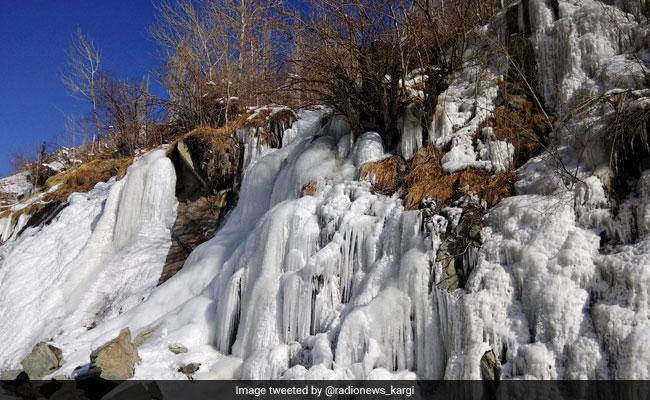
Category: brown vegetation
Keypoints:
(426, 179)
(309, 189)
(79, 179)
(385, 175)
(519, 120)
(627, 134)
(423, 178)
(85, 176)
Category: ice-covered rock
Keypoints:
(343, 282)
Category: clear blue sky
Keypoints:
(34, 38)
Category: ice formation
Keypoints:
(100, 257)
(343, 283)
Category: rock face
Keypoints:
(208, 165)
(43, 360)
(458, 252)
(116, 359)
(643, 209)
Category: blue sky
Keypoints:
(34, 38)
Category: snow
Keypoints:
(368, 147)
(98, 258)
(497, 154)
(462, 108)
(342, 284)
(56, 166)
(16, 185)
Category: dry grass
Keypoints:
(386, 175)
(519, 121)
(627, 135)
(206, 132)
(263, 121)
(426, 179)
(309, 189)
(264, 117)
(489, 188)
(79, 179)
(84, 177)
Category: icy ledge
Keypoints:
(100, 257)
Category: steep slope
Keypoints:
(101, 256)
(318, 274)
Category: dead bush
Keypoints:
(627, 135)
(385, 175)
(427, 180)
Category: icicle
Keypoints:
(297, 307)
(410, 132)
(228, 314)
(359, 252)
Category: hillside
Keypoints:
(283, 247)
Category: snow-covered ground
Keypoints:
(16, 185)
(101, 256)
(342, 283)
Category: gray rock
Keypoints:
(10, 374)
(189, 370)
(116, 359)
(458, 253)
(43, 360)
(178, 349)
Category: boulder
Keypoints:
(490, 369)
(43, 360)
(189, 370)
(116, 359)
(10, 374)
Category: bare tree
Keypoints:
(80, 78)
(358, 55)
(79, 133)
(126, 109)
(212, 52)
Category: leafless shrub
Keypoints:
(127, 110)
(215, 52)
(82, 69)
(358, 55)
